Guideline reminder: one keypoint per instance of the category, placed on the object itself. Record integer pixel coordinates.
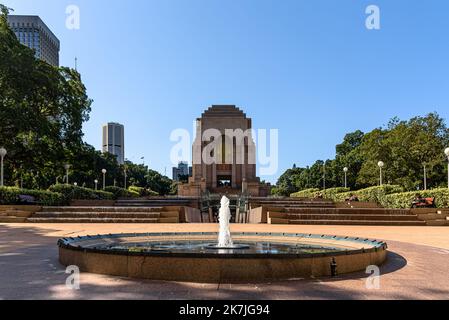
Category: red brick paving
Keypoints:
(418, 267)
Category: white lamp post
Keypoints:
(104, 178)
(345, 170)
(2, 156)
(67, 167)
(324, 176)
(446, 152)
(381, 165)
(425, 177)
(124, 171)
(96, 184)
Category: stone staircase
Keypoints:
(16, 214)
(106, 215)
(154, 202)
(291, 203)
(433, 217)
(344, 216)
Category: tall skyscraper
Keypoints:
(33, 33)
(114, 140)
(183, 169)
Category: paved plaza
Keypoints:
(417, 266)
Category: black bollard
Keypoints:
(334, 272)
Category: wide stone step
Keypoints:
(155, 201)
(357, 222)
(96, 215)
(290, 203)
(100, 209)
(10, 219)
(359, 217)
(293, 208)
(347, 211)
(96, 220)
(438, 223)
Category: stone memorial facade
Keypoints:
(224, 155)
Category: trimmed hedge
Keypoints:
(10, 196)
(373, 194)
(332, 192)
(121, 193)
(307, 193)
(71, 192)
(314, 193)
(404, 200)
(143, 192)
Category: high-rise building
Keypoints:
(183, 169)
(114, 140)
(34, 33)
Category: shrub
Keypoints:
(332, 192)
(71, 192)
(314, 193)
(307, 193)
(121, 193)
(103, 195)
(373, 194)
(10, 196)
(143, 192)
(404, 200)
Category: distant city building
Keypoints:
(183, 169)
(33, 33)
(114, 140)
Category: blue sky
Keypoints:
(308, 68)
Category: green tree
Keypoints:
(42, 111)
(158, 182)
(287, 183)
(404, 146)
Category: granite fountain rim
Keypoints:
(74, 243)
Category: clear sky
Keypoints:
(308, 68)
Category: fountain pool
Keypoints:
(189, 256)
(198, 257)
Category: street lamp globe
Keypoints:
(2, 155)
(345, 169)
(381, 164)
(104, 171)
(96, 181)
(67, 166)
(75, 184)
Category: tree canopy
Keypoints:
(42, 110)
(404, 146)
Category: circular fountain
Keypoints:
(237, 257)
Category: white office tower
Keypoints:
(114, 140)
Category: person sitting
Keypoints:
(353, 198)
(26, 199)
(420, 202)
